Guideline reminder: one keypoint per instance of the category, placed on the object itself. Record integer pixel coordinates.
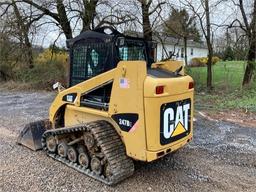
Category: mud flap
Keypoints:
(32, 133)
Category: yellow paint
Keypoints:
(152, 114)
(144, 142)
(169, 65)
(178, 130)
(152, 155)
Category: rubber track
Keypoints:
(111, 146)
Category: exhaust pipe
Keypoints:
(32, 133)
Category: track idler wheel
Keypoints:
(51, 144)
(72, 154)
(96, 165)
(63, 149)
(89, 140)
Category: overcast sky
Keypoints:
(222, 14)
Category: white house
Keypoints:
(167, 46)
(172, 46)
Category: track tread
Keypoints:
(111, 146)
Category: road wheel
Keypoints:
(96, 165)
(72, 154)
(83, 159)
(62, 149)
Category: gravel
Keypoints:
(221, 157)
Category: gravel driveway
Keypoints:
(222, 157)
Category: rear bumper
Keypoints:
(153, 155)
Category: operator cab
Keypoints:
(95, 52)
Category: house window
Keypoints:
(182, 52)
(192, 51)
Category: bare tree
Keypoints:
(113, 14)
(246, 21)
(84, 11)
(166, 55)
(147, 11)
(21, 23)
(203, 14)
(7, 51)
(209, 44)
(249, 27)
(147, 29)
(182, 26)
(89, 13)
(47, 8)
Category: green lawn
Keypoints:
(226, 75)
(228, 92)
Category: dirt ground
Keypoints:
(222, 157)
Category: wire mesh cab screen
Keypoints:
(130, 50)
(88, 60)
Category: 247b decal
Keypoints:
(175, 121)
(128, 122)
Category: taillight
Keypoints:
(191, 85)
(159, 89)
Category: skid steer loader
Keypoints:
(120, 106)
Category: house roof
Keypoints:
(169, 39)
(179, 42)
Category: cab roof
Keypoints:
(104, 34)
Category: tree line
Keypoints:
(22, 20)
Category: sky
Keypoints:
(222, 14)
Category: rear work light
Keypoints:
(191, 85)
(159, 89)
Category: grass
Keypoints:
(228, 93)
(226, 75)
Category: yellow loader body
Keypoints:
(120, 106)
(143, 139)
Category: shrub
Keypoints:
(198, 62)
(9, 57)
(215, 60)
(6, 72)
(228, 54)
(48, 68)
(50, 55)
(202, 61)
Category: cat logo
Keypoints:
(175, 121)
